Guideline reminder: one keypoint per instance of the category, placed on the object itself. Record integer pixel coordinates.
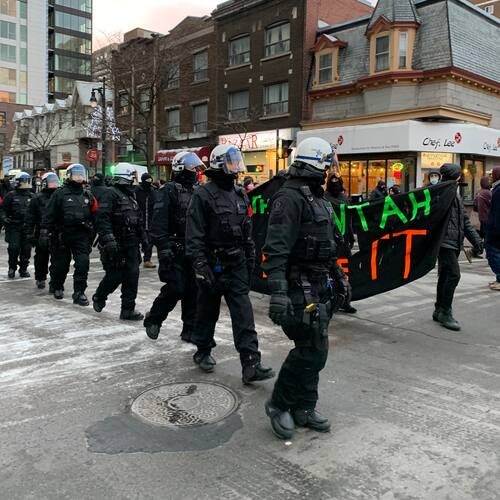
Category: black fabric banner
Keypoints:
(398, 236)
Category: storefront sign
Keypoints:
(257, 141)
(435, 160)
(411, 135)
(165, 156)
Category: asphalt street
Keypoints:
(415, 408)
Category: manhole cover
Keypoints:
(185, 404)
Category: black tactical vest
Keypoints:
(76, 208)
(230, 226)
(126, 213)
(177, 227)
(19, 206)
(316, 241)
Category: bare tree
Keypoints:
(240, 123)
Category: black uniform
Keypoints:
(13, 210)
(219, 243)
(69, 222)
(118, 221)
(33, 221)
(97, 187)
(168, 233)
(145, 195)
(300, 257)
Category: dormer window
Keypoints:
(403, 48)
(326, 52)
(382, 53)
(325, 68)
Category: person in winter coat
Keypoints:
(379, 192)
(459, 227)
(482, 204)
(493, 230)
(98, 187)
(145, 196)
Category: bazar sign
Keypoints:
(257, 141)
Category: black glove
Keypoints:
(44, 240)
(204, 275)
(109, 250)
(280, 306)
(479, 248)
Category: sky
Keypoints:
(119, 16)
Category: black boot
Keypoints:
(349, 309)
(131, 315)
(435, 314)
(51, 288)
(23, 273)
(80, 299)
(58, 294)
(446, 319)
(205, 361)
(11, 274)
(256, 373)
(40, 284)
(281, 421)
(152, 331)
(311, 419)
(98, 304)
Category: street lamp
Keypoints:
(93, 103)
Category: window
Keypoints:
(8, 77)
(278, 40)
(64, 85)
(72, 65)
(3, 139)
(325, 68)
(239, 51)
(3, 119)
(200, 118)
(173, 122)
(200, 66)
(276, 99)
(72, 22)
(382, 53)
(122, 102)
(85, 5)
(73, 44)
(489, 9)
(8, 7)
(23, 98)
(8, 53)
(23, 80)
(23, 7)
(403, 46)
(23, 33)
(23, 56)
(8, 30)
(173, 76)
(7, 96)
(144, 100)
(237, 108)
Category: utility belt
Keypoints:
(222, 258)
(311, 248)
(87, 225)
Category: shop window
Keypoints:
(403, 47)
(173, 122)
(382, 53)
(472, 171)
(277, 40)
(200, 66)
(239, 51)
(276, 99)
(238, 105)
(200, 118)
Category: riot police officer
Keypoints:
(67, 228)
(97, 186)
(13, 210)
(300, 260)
(219, 244)
(33, 220)
(168, 233)
(118, 224)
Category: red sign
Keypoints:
(92, 155)
(165, 156)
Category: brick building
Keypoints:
(412, 86)
(490, 6)
(263, 64)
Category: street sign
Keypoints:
(92, 155)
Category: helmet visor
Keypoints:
(191, 162)
(77, 173)
(51, 181)
(233, 161)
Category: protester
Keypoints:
(482, 203)
(493, 230)
(248, 184)
(379, 192)
(459, 227)
(434, 177)
(394, 190)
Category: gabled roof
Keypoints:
(83, 91)
(394, 11)
(328, 41)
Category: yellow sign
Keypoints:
(435, 160)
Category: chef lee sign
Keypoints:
(445, 143)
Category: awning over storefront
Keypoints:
(165, 156)
(410, 135)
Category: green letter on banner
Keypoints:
(362, 218)
(390, 209)
(340, 223)
(426, 204)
